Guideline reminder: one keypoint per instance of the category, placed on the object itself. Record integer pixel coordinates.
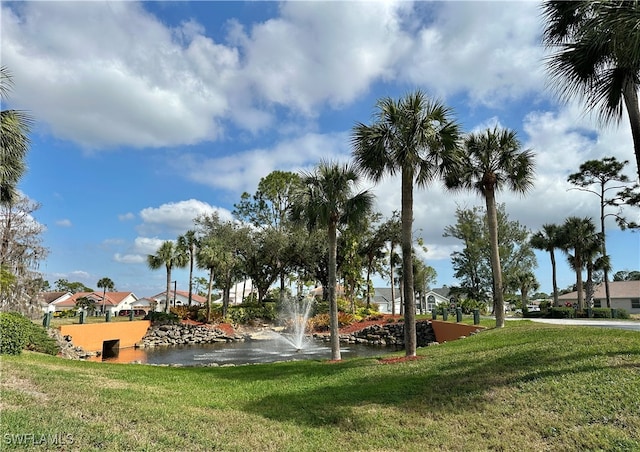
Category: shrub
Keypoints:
(320, 322)
(17, 332)
(13, 333)
(622, 314)
(601, 313)
(468, 305)
(562, 313)
(247, 313)
(162, 317)
(533, 314)
(39, 341)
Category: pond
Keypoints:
(248, 352)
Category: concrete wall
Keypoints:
(91, 336)
(449, 331)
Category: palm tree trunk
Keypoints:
(166, 305)
(393, 283)
(492, 222)
(410, 341)
(631, 102)
(556, 300)
(192, 252)
(333, 302)
(209, 290)
(579, 285)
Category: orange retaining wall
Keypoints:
(449, 331)
(91, 336)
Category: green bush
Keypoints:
(562, 313)
(162, 317)
(601, 313)
(39, 341)
(621, 313)
(246, 313)
(14, 332)
(17, 332)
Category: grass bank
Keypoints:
(526, 387)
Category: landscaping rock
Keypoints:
(182, 334)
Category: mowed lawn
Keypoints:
(527, 387)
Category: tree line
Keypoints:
(595, 56)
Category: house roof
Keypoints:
(110, 298)
(617, 289)
(183, 293)
(48, 297)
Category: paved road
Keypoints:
(633, 325)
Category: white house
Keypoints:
(176, 298)
(623, 294)
(112, 301)
(382, 297)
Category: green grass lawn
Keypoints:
(527, 387)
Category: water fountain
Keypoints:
(296, 313)
(291, 344)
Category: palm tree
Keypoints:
(526, 281)
(492, 161)
(327, 200)
(597, 57)
(15, 125)
(209, 256)
(188, 244)
(548, 240)
(104, 284)
(577, 236)
(170, 256)
(416, 137)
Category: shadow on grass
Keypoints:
(458, 378)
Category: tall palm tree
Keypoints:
(326, 201)
(577, 238)
(14, 139)
(597, 57)
(104, 284)
(493, 160)
(416, 137)
(170, 256)
(548, 240)
(188, 244)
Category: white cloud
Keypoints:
(489, 50)
(141, 87)
(126, 216)
(285, 64)
(65, 223)
(243, 170)
(176, 217)
(129, 258)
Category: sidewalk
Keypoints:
(633, 325)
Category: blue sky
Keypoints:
(149, 114)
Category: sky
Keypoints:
(149, 114)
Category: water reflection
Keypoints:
(249, 352)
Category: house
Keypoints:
(433, 297)
(237, 294)
(382, 297)
(112, 301)
(48, 300)
(176, 298)
(624, 295)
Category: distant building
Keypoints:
(623, 294)
(109, 301)
(382, 297)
